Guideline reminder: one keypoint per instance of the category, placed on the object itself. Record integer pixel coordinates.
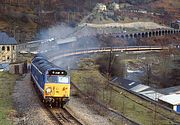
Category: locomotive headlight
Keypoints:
(48, 90)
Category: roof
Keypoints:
(178, 21)
(4, 67)
(6, 40)
(173, 99)
(138, 88)
(41, 62)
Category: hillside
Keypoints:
(24, 18)
(170, 8)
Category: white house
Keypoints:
(100, 7)
(7, 48)
(115, 6)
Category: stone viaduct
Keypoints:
(152, 33)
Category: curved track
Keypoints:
(63, 116)
(56, 56)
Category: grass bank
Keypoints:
(141, 111)
(7, 82)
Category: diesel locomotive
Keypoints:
(51, 81)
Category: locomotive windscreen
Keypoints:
(57, 72)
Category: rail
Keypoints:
(60, 116)
(63, 116)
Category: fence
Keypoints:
(130, 106)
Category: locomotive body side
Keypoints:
(38, 78)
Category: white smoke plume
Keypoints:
(66, 39)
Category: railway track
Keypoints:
(63, 117)
(59, 116)
(57, 55)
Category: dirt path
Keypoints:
(27, 104)
(86, 114)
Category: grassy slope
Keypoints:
(135, 108)
(6, 89)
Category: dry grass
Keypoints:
(3, 25)
(171, 6)
(133, 107)
(7, 82)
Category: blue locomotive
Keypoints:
(52, 82)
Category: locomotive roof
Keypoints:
(43, 64)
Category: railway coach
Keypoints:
(52, 82)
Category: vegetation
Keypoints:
(30, 16)
(7, 82)
(139, 110)
(137, 2)
(160, 68)
(111, 65)
(159, 40)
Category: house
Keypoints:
(100, 7)
(115, 6)
(7, 48)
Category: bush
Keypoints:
(111, 67)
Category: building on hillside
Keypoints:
(7, 48)
(115, 6)
(176, 24)
(172, 101)
(100, 7)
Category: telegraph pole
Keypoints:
(109, 66)
(109, 74)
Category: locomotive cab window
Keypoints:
(57, 79)
(57, 76)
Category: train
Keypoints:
(51, 81)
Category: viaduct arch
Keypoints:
(146, 34)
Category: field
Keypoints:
(6, 101)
